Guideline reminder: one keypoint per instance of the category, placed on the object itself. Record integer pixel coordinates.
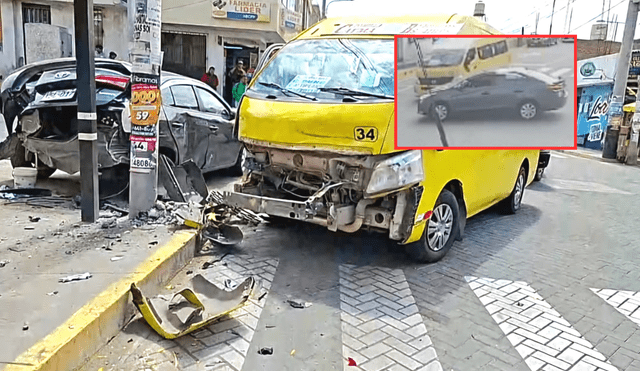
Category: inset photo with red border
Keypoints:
(486, 92)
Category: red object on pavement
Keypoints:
(352, 362)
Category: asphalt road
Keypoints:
(554, 287)
(492, 128)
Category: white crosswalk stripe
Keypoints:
(544, 339)
(381, 326)
(625, 302)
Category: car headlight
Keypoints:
(396, 172)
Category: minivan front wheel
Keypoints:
(440, 232)
(512, 204)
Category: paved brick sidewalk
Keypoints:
(554, 287)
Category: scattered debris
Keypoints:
(196, 307)
(211, 263)
(41, 237)
(25, 327)
(153, 213)
(519, 304)
(116, 258)
(75, 277)
(112, 236)
(130, 341)
(182, 183)
(266, 351)
(14, 193)
(153, 243)
(34, 219)
(110, 223)
(4, 262)
(189, 272)
(229, 284)
(299, 304)
(29, 228)
(352, 362)
(270, 326)
(293, 352)
(15, 249)
(116, 208)
(223, 234)
(262, 296)
(53, 293)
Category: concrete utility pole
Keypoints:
(146, 58)
(86, 93)
(610, 148)
(553, 8)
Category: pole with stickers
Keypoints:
(146, 102)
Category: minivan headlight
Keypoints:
(396, 172)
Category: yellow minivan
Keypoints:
(457, 58)
(317, 122)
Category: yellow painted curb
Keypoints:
(70, 345)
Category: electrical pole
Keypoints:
(553, 8)
(146, 59)
(86, 93)
(615, 114)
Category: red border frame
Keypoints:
(575, 88)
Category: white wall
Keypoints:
(7, 55)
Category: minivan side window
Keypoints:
(501, 47)
(184, 97)
(485, 52)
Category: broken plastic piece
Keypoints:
(223, 234)
(299, 304)
(76, 277)
(352, 362)
(4, 262)
(200, 305)
(266, 351)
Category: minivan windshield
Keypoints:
(446, 58)
(330, 69)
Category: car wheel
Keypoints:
(528, 110)
(441, 109)
(512, 204)
(239, 166)
(440, 232)
(539, 174)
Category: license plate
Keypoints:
(59, 94)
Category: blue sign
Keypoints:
(289, 24)
(243, 16)
(593, 110)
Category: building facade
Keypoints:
(195, 35)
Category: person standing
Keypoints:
(210, 78)
(233, 77)
(239, 89)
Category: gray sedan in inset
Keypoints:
(524, 91)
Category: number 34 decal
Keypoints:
(366, 134)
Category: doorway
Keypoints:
(184, 53)
(234, 53)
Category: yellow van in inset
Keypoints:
(449, 59)
(317, 122)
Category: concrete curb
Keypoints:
(583, 155)
(74, 342)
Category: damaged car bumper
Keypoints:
(346, 193)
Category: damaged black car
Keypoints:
(39, 105)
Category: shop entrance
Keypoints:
(234, 53)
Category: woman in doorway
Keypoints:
(210, 78)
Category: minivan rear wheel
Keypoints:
(440, 232)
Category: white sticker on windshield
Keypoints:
(308, 84)
(398, 29)
(370, 79)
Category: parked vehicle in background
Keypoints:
(39, 104)
(542, 41)
(525, 91)
(567, 39)
(543, 162)
(456, 58)
(317, 121)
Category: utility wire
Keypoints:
(596, 16)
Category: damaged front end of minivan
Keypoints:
(344, 193)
